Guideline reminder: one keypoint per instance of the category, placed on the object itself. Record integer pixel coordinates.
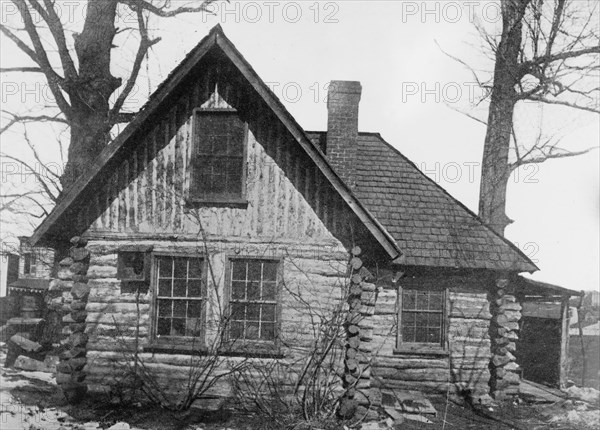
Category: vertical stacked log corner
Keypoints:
(504, 329)
(356, 401)
(70, 376)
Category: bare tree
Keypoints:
(547, 53)
(78, 71)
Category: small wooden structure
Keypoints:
(543, 347)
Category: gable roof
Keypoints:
(215, 38)
(432, 228)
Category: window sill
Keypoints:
(421, 350)
(217, 202)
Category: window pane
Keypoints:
(270, 271)
(268, 313)
(163, 327)
(178, 327)
(408, 333)
(165, 267)
(420, 334)
(269, 291)
(238, 290)
(194, 308)
(253, 312)
(409, 299)
(179, 308)
(436, 301)
(253, 290)
(194, 288)
(179, 288)
(267, 331)
(434, 335)
(238, 311)
(236, 329)
(238, 271)
(180, 270)
(233, 181)
(422, 300)
(164, 287)
(251, 330)
(435, 320)
(421, 320)
(164, 308)
(192, 327)
(408, 319)
(254, 270)
(195, 269)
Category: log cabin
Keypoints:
(214, 200)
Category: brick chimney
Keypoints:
(342, 127)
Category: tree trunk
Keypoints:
(89, 94)
(495, 171)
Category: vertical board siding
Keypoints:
(287, 196)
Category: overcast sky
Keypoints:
(410, 87)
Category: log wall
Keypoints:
(460, 368)
(313, 281)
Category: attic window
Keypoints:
(219, 162)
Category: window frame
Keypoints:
(423, 347)
(188, 343)
(254, 345)
(213, 198)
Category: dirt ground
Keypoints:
(591, 346)
(32, 400)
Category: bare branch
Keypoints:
(56, 28)
(37, 175)
(165, 12)
(21, 69)
(29, 118)
(55, 82)
(145, 44)
(542, 99)
(468, 115)
(551, 154)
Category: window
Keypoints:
(179, 297)
(29, 263)
(219, 172)
(253, 300)
(133, 268)
(422, 318)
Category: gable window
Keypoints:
(219, 162)
(179, 306)
(253, 292)
(421, 318)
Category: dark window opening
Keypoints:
(253, 300)
(219, 160)
(29, 263)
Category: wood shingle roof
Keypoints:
(430, 226)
